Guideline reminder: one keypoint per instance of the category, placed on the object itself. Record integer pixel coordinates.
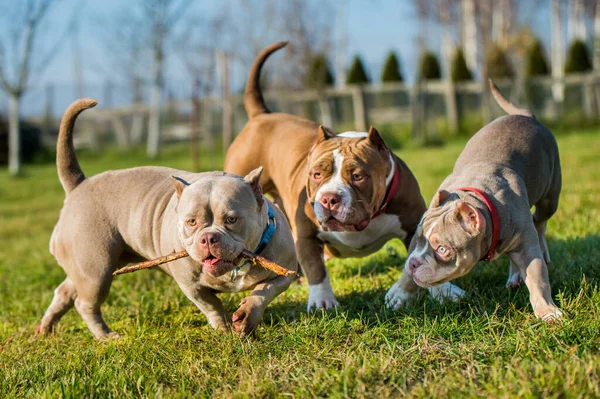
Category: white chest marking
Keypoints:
(360, 243)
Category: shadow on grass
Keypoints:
(574, 261)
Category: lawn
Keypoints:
(489, 344)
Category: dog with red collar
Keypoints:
(482, 210)
(344, 195)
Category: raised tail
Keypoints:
(69, 171)
(253, 99)
(506, 105)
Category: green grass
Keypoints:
(488, 345)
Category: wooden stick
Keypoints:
(266, 263)
(151, 263)
(255, 259)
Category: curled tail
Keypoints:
(69, 171)
(506, 105)
(253, 99)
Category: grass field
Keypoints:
(489, 344)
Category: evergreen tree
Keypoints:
(578, 59)
(429, 67)
(357, 74)
(536, 61)
(460, 71)
(319, 74)
(497, 63)
(391, 69)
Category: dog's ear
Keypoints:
(253, 179)
(179, 184)
(470, 219)
(439, 198)
(324, 134)
(375, 139)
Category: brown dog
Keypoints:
(120, 216)
(482, 210)
(347, 193)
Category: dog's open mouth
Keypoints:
(332, 224)
(216, 266)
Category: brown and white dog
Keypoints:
(482, 210)
(345, 194)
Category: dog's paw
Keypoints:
(446, 292)
(108, 337)
(397, 297)
(246, 318)
(320, 296)
(552, 317)
(514, 281)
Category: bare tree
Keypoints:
(469, 18)
(448, 48)
(557, 50)
(597, 36)
(23, 22)
(162, 16)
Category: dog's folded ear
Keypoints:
(324, 134)
(470, 219)
(253, 179)
(179, 184)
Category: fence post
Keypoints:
(223, 60)
(360, 111)
(325, 108)
(451, 108)
(588, 95)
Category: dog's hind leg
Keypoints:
(544, 209)
(64, 298)
(92, 292)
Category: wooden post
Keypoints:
(195, 113)
(587, 92)
(325, 108)
(207, 137)
(223, 61)
(360, 111)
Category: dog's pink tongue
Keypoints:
(211, 261)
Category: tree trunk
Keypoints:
(154, 122)
(470, 33)
(14, 135)
(557, 51)
(447, 47)
(597, 37)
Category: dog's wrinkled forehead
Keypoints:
(352, 147)
(218, 194)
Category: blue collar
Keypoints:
(268, 232)
(264, 239)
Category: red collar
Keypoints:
(495, 219)
(391, 192)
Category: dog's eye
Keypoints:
(191, 222)
(357, 177)
(442, 250)
(316, 175)
(231, 219)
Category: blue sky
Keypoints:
(373, 27)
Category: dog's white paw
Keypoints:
(514, 281)
(554, 316)
(396, 297)
(446, 291)
(320, 296)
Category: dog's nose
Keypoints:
(208, 239)
(330, 201)
(414, 264)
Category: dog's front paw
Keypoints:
(396, 297)
(320, 296)
(553, 316)
(514, 281)
(446, 291)
(246, 318)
